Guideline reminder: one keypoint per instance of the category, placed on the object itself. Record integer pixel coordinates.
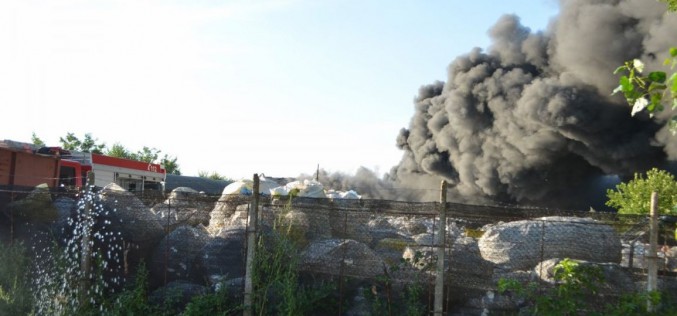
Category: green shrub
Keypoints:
(134, 300)
(411, 301)
(216, 303)
(575, 293)
(634, 197)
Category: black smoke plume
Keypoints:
(531, 120)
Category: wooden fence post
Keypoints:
(652, 264)
(251, 247)
(439, 275)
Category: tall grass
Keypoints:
(276, 277)
(15, 289)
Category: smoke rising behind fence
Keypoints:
(531, 119)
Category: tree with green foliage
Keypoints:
(650, 91)
(170, 165)
(146, 154)
(634, 197)
(118, 151)
(88, 144)
(213, 175)
(37, 141)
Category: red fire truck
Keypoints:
(22, 165)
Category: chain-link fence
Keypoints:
(334, 256)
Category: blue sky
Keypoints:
(236, 87)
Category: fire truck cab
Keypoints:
(132, 175)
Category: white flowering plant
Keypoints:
(649, 91)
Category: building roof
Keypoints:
(208, 186)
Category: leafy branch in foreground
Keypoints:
(672, 5)
(649, 91)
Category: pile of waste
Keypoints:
(304, 188)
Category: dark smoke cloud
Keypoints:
(531, 120)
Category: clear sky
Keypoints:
(236, 87)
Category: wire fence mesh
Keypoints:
(349, 257)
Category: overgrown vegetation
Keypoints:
(15, 292)
(217, 303)
(276, 278)
(411, 302)
(576, 293)
(134, 300)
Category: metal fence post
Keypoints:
(439, 276)
(251, 247)
(652, 266)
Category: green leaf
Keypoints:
(632, 96)
(656, 86)
(673, 78)
(655, 105)
(626, 84)
(657, 76)
(652, 106)
(673, 51)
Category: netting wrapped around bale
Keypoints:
(522, 244)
